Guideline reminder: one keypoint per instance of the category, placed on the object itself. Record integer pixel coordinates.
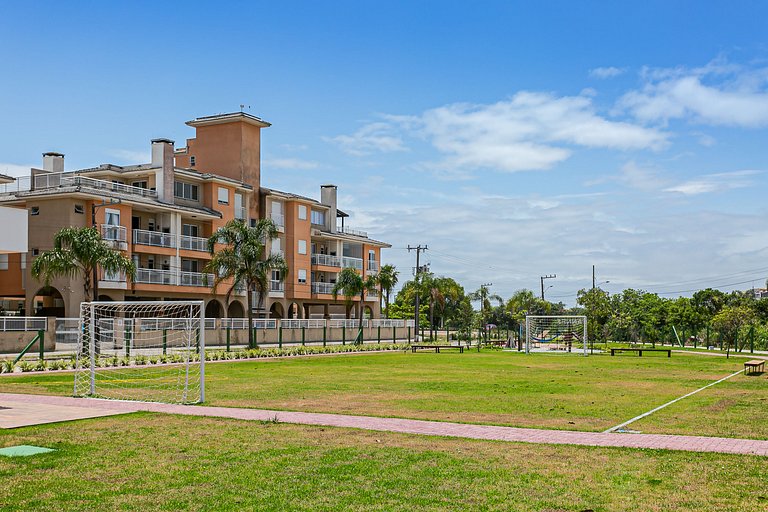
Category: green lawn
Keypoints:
(161, 462)
(544, 390)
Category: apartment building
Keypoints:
(161, 214)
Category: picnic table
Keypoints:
(754, 366)
(436, 347)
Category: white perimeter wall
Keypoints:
(13, 230)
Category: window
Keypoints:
(239, 208)
(35, 252)
(190, 229)
(192, 161)
(302, 276)
(79, 209)
(302, 247)
(371, 255)
(139, 184)
(35, 210)
(276, 247)
(185, 190)
(3, 262)
(151, 262)
(302, 212)
(318, 218)
(223, 195)
(275, 275)
(189, 265)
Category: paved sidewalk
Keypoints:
(435, 428)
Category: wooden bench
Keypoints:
(754, 366)
(437, 347)
(641, 350)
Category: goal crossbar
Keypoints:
(556, 332)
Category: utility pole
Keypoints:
(551, 276)
(593, 277)
(418, 270)
(485, 287)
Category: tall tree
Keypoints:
(244, 260)
(351, 284)
(76, 252)
(387, 279)
(484, 297)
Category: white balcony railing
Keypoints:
(61, 179)
(352, 262)
(196, 279)
(241, 213)
(114, 233)
(278, 219)
(373, 266)
(372, 295)
(350, 231)
(155, 276)
(20, 184)
(109, 277)
(154, 238)
(322, 288)
(193, 243)
(326, 259)
(275, 285)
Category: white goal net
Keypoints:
(146, 351)
(555, 333)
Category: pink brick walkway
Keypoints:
(435, 428)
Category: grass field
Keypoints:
(544, 390)
(160, 462)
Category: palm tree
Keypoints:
(387, 279)
(78, 252)
(243, 260)
(351, 284)
(485, 297)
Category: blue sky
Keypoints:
(514, 140)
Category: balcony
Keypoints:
(322, 288)
(153, 238)
(356, 263)
(193, 243)
(116, 236)
(61, 179)
(350, 231)
(326, 259)
(373, 266)
(372, 295)
(241, 213)
(275, 285)
(278, 219)
(154, 276)
(169, 277)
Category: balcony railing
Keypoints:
(373, 266)
(326, 259)
(275, 285)
(372, 295)
(241, 213)
(117, 277)
(350, 231)
(114, 233)
(155, 276)
(154, 238)
(196, 279)
(322, 288)
(278, 219)
(352, 262)
(193, 243)
(60, 179)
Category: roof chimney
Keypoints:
(328, 198)
(162, 159)
(53, 162)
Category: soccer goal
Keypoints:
(555, 333)
(146, 351)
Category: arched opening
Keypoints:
(236, 310)
(213, 309)
(294, 310)
(48, 301)
(276, 310)
(367, 313)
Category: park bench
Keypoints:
(641, 350)
(754, 366)
(437, 347)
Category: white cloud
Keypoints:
(529, 131)
(381, 137)
(716, 94)
(289, 163)
(714, 182)
(606, 72)
(130, 157)
(15, 170)
(640, 177)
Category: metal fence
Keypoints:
(22, 323)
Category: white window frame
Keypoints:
(302, 247)
(320, 214)
(301, 276)
(223, 192)
(3, 262)
(302, 212)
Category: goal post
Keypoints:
(151, 351)
(555, 332)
